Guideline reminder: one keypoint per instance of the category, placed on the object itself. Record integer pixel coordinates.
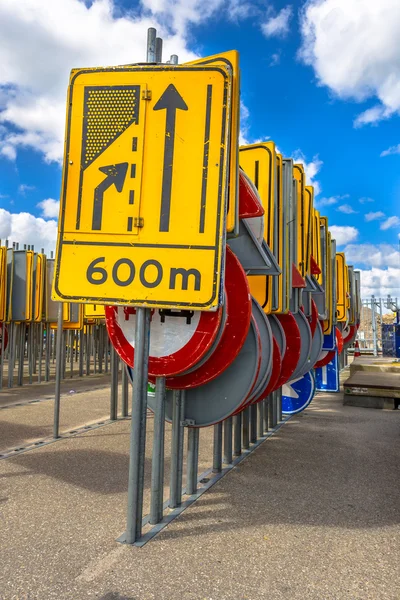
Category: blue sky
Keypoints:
(320, 78)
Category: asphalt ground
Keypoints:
(313, 514)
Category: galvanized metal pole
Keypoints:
(81, 344)
(237, 434)
(375, 350)
(217, 448)
(175, 494)
(245, 427)
(192, 460)
(157, 465)
(159, 45)
(59, 370)
(124, 392)
(260, 419)
(41, 336)
(114, 385)
(228, 441)
(2, 352)
(138, 427)
(253, 423)
(279, 403)
(151, 45)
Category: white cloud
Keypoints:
(391, 150)
(390, 222)
(380, 282)
(343, 234)
(50, 208)
(366, 200)
(278, 26)
(27, 229)
(275, 59)
(374, 216)
(331, 200)
(311, 169)
(40, 41)
(353, 48)
(24, 187)
(346, 209)
(370, 255)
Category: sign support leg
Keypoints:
(124, 392)
(157, 465)
(2, 354)
(192, 460)
(217, 448)
(253, 423)
(279, 404)
(228, 441)
(245, 427)
(59, 371)
(266, 414)
(237, 434)
(114, 385)
(260, 419)
(138, 427)
(175, 496)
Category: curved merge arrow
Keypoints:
(115, 176)
(171, 101)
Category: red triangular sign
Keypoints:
(297, 280)
(249, 201)
(315, 270)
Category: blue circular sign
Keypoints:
(297, 394)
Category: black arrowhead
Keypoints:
(116, 174)
(171, 98)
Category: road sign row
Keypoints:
(162, 210)
(26, 279)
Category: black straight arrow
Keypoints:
(171, 101)
(115, 176)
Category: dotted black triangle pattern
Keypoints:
(108, 112)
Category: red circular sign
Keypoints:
(352, 333)
(313, 318)
(178, 339)
(327, 356)
(272, 384)
(246, 400)
(3, 331)
(237, 294)
(293, 347)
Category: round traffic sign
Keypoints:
(272, 384)
(239, 308)
(313, 317)
(3, 331)
(349, 335)
(218, 399)
(297, 394)
(291, 356)
(316, 348)
(178, 338)
(267, 353)
(306, 342)
(278, 332)
(326, 356)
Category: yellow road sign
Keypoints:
(39, 287)
(3, 283)
(299, 175)
(341, 287)
(231, 60)
(94, 311)
(259, 163)
(145, 186)
(308, 220)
